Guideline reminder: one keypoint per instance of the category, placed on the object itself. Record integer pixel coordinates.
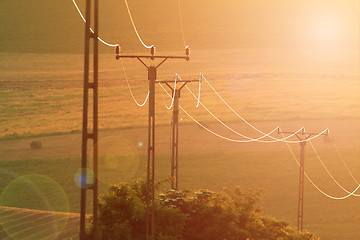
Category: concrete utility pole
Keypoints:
(303, 136)
(87, 132)
(152, 76)
(175, 131)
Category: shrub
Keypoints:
(190, 215)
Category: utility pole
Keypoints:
(303, 136)
(175, 131)
(90, 131)
(152, 76)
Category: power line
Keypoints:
(199, 88)
(287, 143)
(173, 94)
(133, 24)
(249, 138)
(238, 115)
(343, 161)
(212, 132)
(214, 116)
(181, 23)
(131, 92)
(312, 183)
(252, 126)
(328, 172)
(92, 31)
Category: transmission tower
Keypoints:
(303, 136)
(175, 130)
(90, 130)
(150, 180)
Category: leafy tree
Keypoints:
(122, 214)
(190, 215)
(228, 214)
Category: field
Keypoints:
(262, 66)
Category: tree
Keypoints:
(190, 215)
(229, 214)
(122, 214)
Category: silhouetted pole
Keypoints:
(150, 196)
(86, 133)
(303, 136)
(300, 219)
(175, 143)
(152, 76)
(175, 132)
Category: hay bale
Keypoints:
(35, 145)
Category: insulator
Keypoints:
(117, 49)
(187, 50)
(152, 51)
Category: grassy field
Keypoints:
(48, 100)
(266, 68)
(53, 186)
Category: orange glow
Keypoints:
(329, 24)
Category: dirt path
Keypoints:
(193, 138)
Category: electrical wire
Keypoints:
(133, 24)
(254, 139)
(243, 141)
(173, 95)
(181, 23)
(221, 136)
(226, 126)
(238, 115)
(131, 92)
(321, 191)
(199, 92)
(83, 18)
(258, 130)
(343, 161)
(328, 172)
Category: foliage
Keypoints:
(122, 215)
(191, 215)
(228, 214)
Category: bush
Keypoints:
(190, 215)
(122, 215)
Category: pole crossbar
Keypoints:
(152, 57)
(150, 180)
(178, 81)
(303, 136)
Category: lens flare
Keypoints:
(84, 178)
(34, 192)
(120, 161)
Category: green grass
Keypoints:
(274, 172)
